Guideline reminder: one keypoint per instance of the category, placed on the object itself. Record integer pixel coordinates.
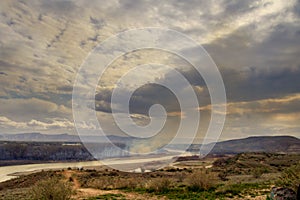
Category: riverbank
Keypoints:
(5, 163)
(9, 172)
(124, 164)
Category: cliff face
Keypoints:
(50, 151)
(42, 151)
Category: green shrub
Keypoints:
(102, 183)
(223, 176)
(201, 180)
(290, 177)
(180, 176)
(108, 197)
(127, 183)
(257, 172)
(161, 185)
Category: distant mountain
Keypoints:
(284, 144)
(38, 137)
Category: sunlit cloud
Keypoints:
(255, 44)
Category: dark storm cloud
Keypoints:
(245, 84)
(58, 7)
(65, 88)
(254, 69)
(254, 84)
(151, 94)
(282, 46)
(297, 8)
(103, 100)
(97, 23)
(133, 5)
(238, 7)
(141, 100)
(104, 95)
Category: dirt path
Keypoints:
(84, 193)
(262, 197)
(69, 174)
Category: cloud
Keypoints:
(254, 84)
(52, 124)
(285, 105)
(24, 109)
(141, 100)
(7, 124)
(275, 116)
(255, 44)
(57, 8)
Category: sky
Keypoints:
(255, 45)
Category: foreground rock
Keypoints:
(278, 193)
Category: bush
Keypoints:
(290, 177)
(257, 172)
(180, 176)
(161, 185)
(201, 180)
(51, 189)
(223, 176)
(127, 183)
(102, 183)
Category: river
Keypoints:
(8, 172)
(125, 164)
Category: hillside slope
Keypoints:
(285, 144)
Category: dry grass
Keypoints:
(51, 189)
(160, 185)
(12, 194)
(201, 180)
(109, 183)
(172, 183)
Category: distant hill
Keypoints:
(284, 144)
(38, 137)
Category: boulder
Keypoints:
(279, 193)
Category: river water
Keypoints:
(128, 164)
(7, 172)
